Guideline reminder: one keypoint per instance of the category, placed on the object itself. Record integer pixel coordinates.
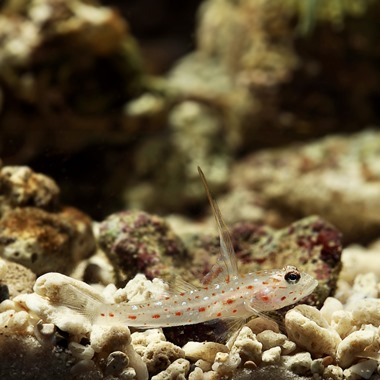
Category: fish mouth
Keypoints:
(309, 288)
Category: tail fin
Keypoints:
(65, 291)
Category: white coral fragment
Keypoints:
(330, 306)
(367, 311)
(272, 355)
(160, 355)
(109, 338)
(225, 363)
(80, 351)
(247, 345)
(333, 372)
(353, 346)
(307, 327)
(140, 289)
(341, 322)
(270, 339)
(205, 351)
(176, 371)
(299, 363)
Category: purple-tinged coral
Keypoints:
(311, 244)
(137, 242)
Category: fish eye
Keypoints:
(292, 277)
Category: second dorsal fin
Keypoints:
(225, 268)
(178, 285)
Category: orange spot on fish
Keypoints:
(111, 314)
(276, 280)
(265, 283)
(265, 298)
(234, 311)
(102, 315)
(249, 287)
(182, 294)
(230, 301)
(202, 309)
(178, 313)
(156, 316)
(167, 298)
(219, 314)
(132, 317)
(283, 298)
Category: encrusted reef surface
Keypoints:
(336, 177)
(35, 230)
(44, 332)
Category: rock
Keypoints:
(46, 242)
(140, 289)
(177, 370)
(357, 259)
(16, 278)
(310, 244)
(353, 346)
(299, 363)
(206, 351)
(158, 356)
(137, 242)
(341, 322)
(272, 355)
(21, 187)
(270, 339)
(333, 372)
(308, 329)
(305, 180)
(366, 311)
(330, 306)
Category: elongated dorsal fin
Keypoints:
(225, 268)
(178, 285)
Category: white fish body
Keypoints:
(225, 293)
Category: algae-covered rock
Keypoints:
(71, 64)
(138, 242)
(336, 177)
(35, 230)
(311, 244)
(20, 186)
(15, 279)
(45, 242)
